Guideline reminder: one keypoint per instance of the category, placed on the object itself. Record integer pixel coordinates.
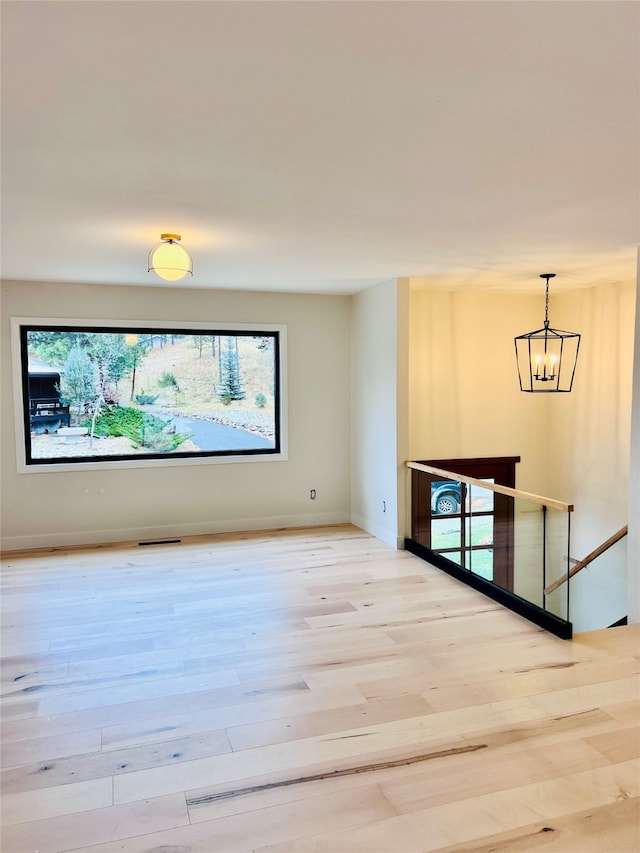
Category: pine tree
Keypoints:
(230, 387)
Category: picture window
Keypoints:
(96, 394)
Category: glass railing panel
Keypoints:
(481, 563)
(528, 554)
(436, 505)
(480, 507)
(599, 592)
(517, 542)
(557, 561)
(446, 533)
(480, 499)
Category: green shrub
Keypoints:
(167, 380)
(159, 439)
(260, 400)
(146, 399)
(142, 428)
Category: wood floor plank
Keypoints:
(66, 684)
(363, 672)
(56, 801)
(177, 655)
(30, 725)
(304, 651)
(96, 765)
(292, 820)
(454, 824)
(31, 750)
(86, 653)
(79, 699)
(619, 744)
(325, 722)
(531, 683)
(17, 710)
(395, 834)
(626, 713)
(68, 832)
(249, 715)
(276, 824)
(574, 699)
(470, 776)
(13, 674)
(613, 828)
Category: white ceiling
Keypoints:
(322, 146)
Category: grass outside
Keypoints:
(445, 533)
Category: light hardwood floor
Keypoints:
(307, 690)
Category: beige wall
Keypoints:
(379, 356)
(464, 395)
(592, 464)
(590, 461)
(40, 509)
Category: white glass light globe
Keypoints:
(170, 261)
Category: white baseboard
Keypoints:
(379, 532)
(170, 531)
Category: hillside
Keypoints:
(197, 373)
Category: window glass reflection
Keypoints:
(446, 497)
(481, 563)
(481, 530)
(479, 499)
(445, 533)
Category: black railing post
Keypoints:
(544, 556)
(568, 560)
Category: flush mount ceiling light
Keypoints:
(169, 259)
(547, 357)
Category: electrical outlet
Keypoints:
(312, 494)
(384, 506)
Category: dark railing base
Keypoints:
(554, 624)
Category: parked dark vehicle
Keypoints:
(47, 413)
(446, 497)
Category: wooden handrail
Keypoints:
(494, 487)
(588, 559)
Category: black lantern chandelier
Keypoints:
(547, 357)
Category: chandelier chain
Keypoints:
(547, 276)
